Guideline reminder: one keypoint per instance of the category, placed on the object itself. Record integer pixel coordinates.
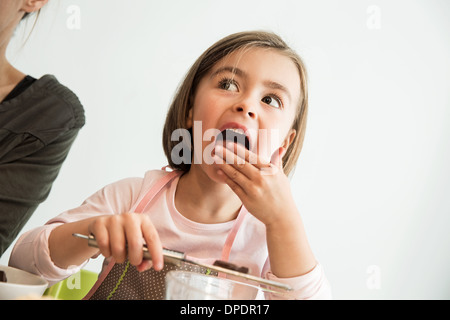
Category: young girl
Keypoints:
(40, 119)
(225, 201)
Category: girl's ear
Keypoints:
(33, 5)
(290, 137)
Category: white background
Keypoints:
(373, 179)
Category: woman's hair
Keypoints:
(183, 100)
(28, 14)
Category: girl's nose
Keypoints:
(246, 108)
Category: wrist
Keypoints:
(284, 217)
(66, 250)
(289, 251)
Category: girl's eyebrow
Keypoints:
(243, 74)
(237, 71)
(276, 86)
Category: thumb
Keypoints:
(277, 157)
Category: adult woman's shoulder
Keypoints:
(49, 88)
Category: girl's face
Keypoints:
(256, 92)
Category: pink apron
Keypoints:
(123, 281)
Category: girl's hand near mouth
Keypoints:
(261, 185)
(265, 192)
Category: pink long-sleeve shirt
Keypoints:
(202, 241)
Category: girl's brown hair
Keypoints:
(183, 101)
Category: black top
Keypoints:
(39, 121)
(21, 87)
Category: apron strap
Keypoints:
(232, 235)
(155, 189)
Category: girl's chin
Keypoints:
(216, 174)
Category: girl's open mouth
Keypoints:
(234, 135)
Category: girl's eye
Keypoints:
(229, 85)
(272, 101)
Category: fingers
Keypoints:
(243, 160)
(243, 171)
(234, 180)
(154, 245)
(117, 242)
(133, 240)
(238, 156)
(124, 235)
(98, 228)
